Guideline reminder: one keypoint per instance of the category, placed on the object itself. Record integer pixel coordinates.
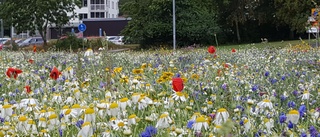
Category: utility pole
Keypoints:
(174, 23)
(2, 32)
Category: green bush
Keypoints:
(70, 42)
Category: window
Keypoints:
(96, 1)
(83, 16)
(97, 15)
(112, 15)
(112, 5)
(116, 5)
(84, 3)
(108, 3)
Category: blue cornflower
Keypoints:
(12, 102)
(283, 78)
(190, 123)
(267, 73)
(241, 122)
(295, 93)
(151, 130)
(178, 75)
(224, 86)
(60, 132)
(291, 104)
(273, 81)
(313, 131)
(290, 125)
(145, 134)
(302, 110)
(61, 115)
(282, 118)
(254, 88)
(283, 97)
(1, 119)
(79, 123)
(303, 135)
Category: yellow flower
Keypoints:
(137, 71)
(117, 69)
(144, 65)
(195, 76)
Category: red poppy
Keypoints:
(233, 50)
(212, 49)
(28, 89)
(54, 74)
(219, 72)
(34, 48)
(13, 72)
(177, 84)
(31, 61)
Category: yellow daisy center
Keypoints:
(200, 119)
(89, 111)
(222, 110)
(120, 124)
(6, 106)
(124, 100)
(113, 105)
(52, 116)
(132, 116)
(294, 112)
(163, 115)
(180, 94)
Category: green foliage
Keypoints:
(294, 13)
(71, 42)
(35, 15)
(151, 22)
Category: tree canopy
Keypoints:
(37, 15)
(232, 20)
(152, 21)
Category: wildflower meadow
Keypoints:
(206, 92)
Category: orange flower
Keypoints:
(13, 72)
(28, 89)
(54, 74)
(34, 48)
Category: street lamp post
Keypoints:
(174, 23)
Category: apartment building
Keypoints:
(91, 9)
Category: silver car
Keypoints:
(31, 41)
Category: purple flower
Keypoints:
(283, 78)
(283, 98)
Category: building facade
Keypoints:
(92, 9)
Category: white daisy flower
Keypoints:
(86, 130)
(200, 123)
(293, 116)
(164, 121)
(221, 116)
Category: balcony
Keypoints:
(98, 7)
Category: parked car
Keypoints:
(3, 41)
(31, 41)
(118, 40)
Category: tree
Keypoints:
(293, 13)
(152, 22)
(37, 15)
(239, 12)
